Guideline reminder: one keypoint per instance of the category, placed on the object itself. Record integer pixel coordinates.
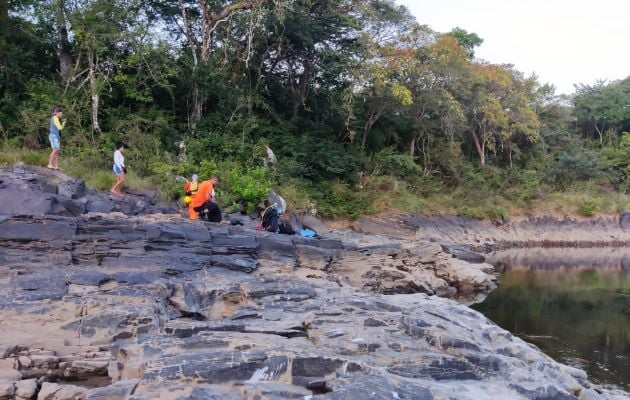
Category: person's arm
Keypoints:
(58, 123)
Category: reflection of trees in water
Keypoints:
(577, 313)
(615, 259)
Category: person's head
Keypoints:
(120, 146)
(195, 178)
(266, 203)
(215, 180)
(57, 111)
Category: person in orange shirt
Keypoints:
(204, 205)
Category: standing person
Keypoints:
(56, 126)
(204, 203)
(119, 169)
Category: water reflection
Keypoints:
(572, 303)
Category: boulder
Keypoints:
(7, 389)
(313, 223)
(463, 252)
(26, 388)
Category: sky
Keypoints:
(563, 42)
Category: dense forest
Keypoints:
(366, 109)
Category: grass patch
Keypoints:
(9, 157)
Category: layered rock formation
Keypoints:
(486, 236)
(112, 306)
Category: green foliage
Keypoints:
(588, 208)
(575, 166)
(338, 199)
(467, 40)
(316, 159)
(250, 186)
(366, 110)
(390, 162)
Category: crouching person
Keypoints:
(203, 204)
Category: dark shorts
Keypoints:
(213, 213)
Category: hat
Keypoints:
(195, 177)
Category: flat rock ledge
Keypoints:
(486, 236)
(113, 306)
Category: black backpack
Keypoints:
(271, 219)
(286, 229)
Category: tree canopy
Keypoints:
(342, 90)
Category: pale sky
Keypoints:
(562, 41)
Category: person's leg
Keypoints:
(54, 154)
(214, 212)
(120, 184)
(115, 189)
(56, 162)
(51, 159)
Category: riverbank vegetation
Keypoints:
(365, 109)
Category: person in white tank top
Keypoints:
(119, 169)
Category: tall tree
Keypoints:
(65, 50)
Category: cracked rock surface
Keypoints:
(112, 306)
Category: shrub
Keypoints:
(588, 208)
(250, 186)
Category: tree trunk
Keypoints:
(599, 131)
(412, 147)
(195, 110)
(303, 87)
(480, 145)
(65, 51)
(368, 126)
(4, 19)
(94, 93)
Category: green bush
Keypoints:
(340, 200)
(250, 186)
(588, 208)
(575, 165)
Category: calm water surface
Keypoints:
(572, 303)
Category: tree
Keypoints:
(468, 40)
(199, 21)
(497, 107)
(603, 108)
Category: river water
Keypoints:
(574, 304)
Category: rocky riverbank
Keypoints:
(128, 302)
(485, 236)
